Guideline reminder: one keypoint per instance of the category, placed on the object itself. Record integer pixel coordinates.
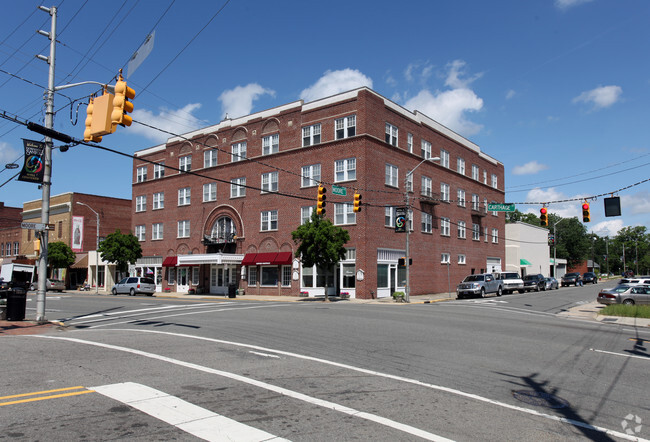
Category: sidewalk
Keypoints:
(589, 312)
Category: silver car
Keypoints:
(50, 284)
(551, 283)
(625, 294)
(135, 285)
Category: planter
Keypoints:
(304, 294)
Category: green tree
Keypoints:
(528, 218)
(320, 243)
(573, 243)
(120, 248)
(60, 255)
(634, 244)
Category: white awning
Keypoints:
(209, 258)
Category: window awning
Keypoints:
(81, 262)
(524, 262)
(170, 261)
(209, 258)
(281, 258)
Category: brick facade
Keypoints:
(10, 231)
(376, 245)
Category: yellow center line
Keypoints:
(42, 398)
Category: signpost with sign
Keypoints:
(338, 190)
(37, 226)
(500, 207)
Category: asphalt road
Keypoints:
(503, 368)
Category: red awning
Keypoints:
(282, 258)
(170, 261)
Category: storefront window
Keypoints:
(382, 275)
(252, 275)
(348, 276)
(269, 276)
(307, 276)
(286, 276)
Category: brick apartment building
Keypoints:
(217, 206)
(75, 224)
(10, 231)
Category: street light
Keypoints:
(407, 261)
(96, 249)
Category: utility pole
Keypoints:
(47, 175)
(555, 248)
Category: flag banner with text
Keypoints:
(34, 167)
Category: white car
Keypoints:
(133, 285)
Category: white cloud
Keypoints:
(8, 154)
(335, 82)
(238, 102)
(607, 228)
(510, 94)
(600, 97)
(175, 121)
(456, 70)
(449, 108)
(530, 168)
(566, 4)
(636, 204)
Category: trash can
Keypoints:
(16, 304)
(232, 290)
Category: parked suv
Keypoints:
(512, 282)
(134, 285)
(590, 277)
(535, 282)
(571, 279)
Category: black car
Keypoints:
(590, 277)
(571, 279)
(534, 282)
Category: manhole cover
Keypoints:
(540, 399)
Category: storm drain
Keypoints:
(540, 399)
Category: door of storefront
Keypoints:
(183, 281)
(220, 277)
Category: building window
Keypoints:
(346, 127)
(426, 150)
(444, 158)
(445, 258)
(224, 229)
(269, 220)
(157, 231)
(184, 229)
(460, 166)
(141, 174)
(427, 222)
(461, 230)
(409, 182)
(389, 216)
(269, 276)
(184, 196)
(485, 234)
(140, 203)
(444, 192)
(209, 192)
(409, 142)
(252, 275)
(158, 170)
(485, 177)
(195, 275)
(286, 276)
(346, 170)
(305, 214)
(158, 200)
(270, 144)
(391, 134)
(185, 163)
(238, 187)
(16, 248)
(485, 205)
(494, 181)
(238, 151)
(210, 158)
(476, 203)
(140, 232)
(343, 214)
(495, 236)
(311, 135)
(474, 172)
(476, 232)
(391, 175)
(310, 175)
(270, 182)
(444, 226)
(461, 197)
(462, 259)
(427, 185)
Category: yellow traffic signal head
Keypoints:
(121, 104)
(543, 216)
(586, 215)
(320, 205)
(357, 203)
(88, 135)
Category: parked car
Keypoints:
(573, 278)
(635, 281)
(479, 285)
(512, 282)
(625, 294)
(589, 277)
(552, 284)
(534, 282)
(135, 285)
(50, 284)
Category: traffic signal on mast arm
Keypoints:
(357, 203)
(121, 104)
(586, 216)
(88, 136)
(320, 206)
(543, 216)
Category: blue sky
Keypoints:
(557, 90)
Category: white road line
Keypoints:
(280, 390)
(188, 417)
(127, 312)
(266, 355)
(643, 358)
(400, 379)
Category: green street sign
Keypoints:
(501, 207)
(338, 190)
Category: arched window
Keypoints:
(224, 229)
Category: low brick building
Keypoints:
(217, 206)
(10, 233)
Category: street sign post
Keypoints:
(494, 207)
(338, 190)
(37, 226)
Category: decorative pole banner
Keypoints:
(34, 168)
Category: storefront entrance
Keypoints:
(183, 281)
(220, 277)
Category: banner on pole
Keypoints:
(34, 168)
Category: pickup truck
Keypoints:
(479, 285)
(512, 282)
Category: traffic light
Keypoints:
(357, 203)
(586, 216)
(320, 207)
(543, 216)
(88, 136)
(121, 104)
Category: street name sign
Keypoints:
(501, 207)
(338, 190)
(37, 226)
